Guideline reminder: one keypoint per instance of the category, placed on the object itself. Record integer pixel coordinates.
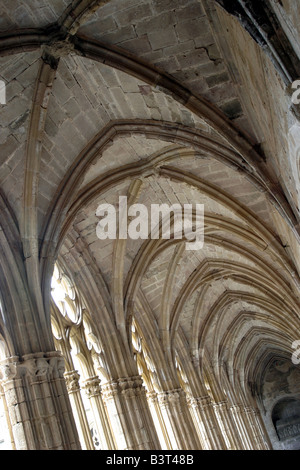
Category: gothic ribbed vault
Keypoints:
(163, 102)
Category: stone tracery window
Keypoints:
(76, 339)
(64, 295)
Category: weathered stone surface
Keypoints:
(165, 102)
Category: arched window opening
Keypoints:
(75, 338)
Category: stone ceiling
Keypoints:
(151, 99)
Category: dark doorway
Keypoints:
(286, 420)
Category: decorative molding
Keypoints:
(131, 386)
(152, 397)
(171, 397)
(109, 390)
(221, 405)
(249, 410)
(8, 371)
(236, 409)
(72, 381)
(126, 386)
(92, 387)
(202, 402)
(32, 365)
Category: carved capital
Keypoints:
(32, 365)
(236, 409)
(58, 366)
(171, 397)
(92, 387)
(109, 390)
(9, 369)
(202, 402)
(152, 397)
(221, 405)
(131, 386)
(72, 381)
(248, 410)
(190, 400)
(36, 367)
(126, 386)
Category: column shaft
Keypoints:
(174, 407)
(37, 402)
(204, 408)
(128, 397)
(93, 391)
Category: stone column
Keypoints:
(258, 436)
(239, 419)
(203, 407)
(265, 440)
(109, 393)
(198, 424)
(156, 411)
(251, 428)
(37, 402)
(2, 394)
(228, 424)
(178, 420)
(132, 421)
(93, 391)
(73, 387)
(137, 411)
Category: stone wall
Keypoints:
(281, 404)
